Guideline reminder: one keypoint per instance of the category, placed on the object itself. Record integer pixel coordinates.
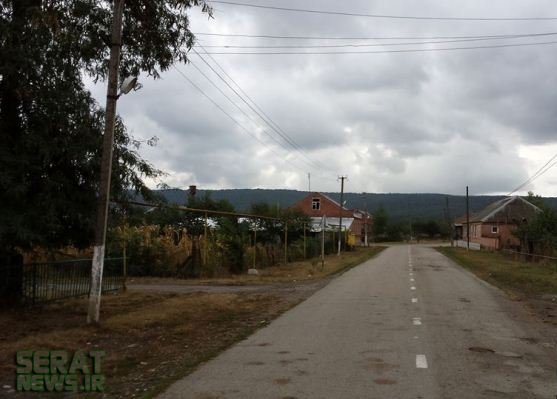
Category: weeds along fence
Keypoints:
(209, 243)
(36, 283)
(530, 257)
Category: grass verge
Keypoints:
(515, 277)
(154, 339)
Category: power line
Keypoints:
(385, 16)
(241, 98)
(381, 51)
(251, 36)
(368, 44)
(246, 130)
(268, 119)
(231, 117)
(239, 108)
(542, 170)
(283, 135)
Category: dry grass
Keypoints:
(295, 271)
(151, 340)
(514, 276)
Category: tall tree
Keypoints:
(50, 126)
(380, 221)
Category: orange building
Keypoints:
(355, 221)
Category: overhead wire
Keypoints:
(423, 50)
(232, 118)
(381, 16)
(252, 36)
(349, 45)
(265, 119)
(240, 108)
(268, 120)
(541, 171)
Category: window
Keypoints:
(494, 230)
(316, 204)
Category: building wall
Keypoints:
(327, 207)
(483, 234)
(331, 209)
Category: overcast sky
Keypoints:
(392, 122)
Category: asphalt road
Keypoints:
(407, 324)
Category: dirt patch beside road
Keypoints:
(156, 335)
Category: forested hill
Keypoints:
(398, 206)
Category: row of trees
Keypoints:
(50, 125)
(216, 239)
(384, 229)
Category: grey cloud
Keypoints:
(393, 122)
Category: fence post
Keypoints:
(322, 242)
(206, 242)
(305, 257)
(254, 244)
(34, 267)
(285, 243)
(125, 267)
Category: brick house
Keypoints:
(493, 226)
(316, 205)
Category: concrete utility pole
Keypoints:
(467, 220)
(341, 178)
(448, 216)
(323, 219)
(366, 220)
(106, 165)
(309, 182)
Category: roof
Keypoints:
(506, 210)
(330, 199)
(331, 223)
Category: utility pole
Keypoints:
(285, 243)
(366, 220)
(106, 165)
(341, 178)
(309, 182)
(323, 219)
(448, 216)
(467, 220)
(409, 219)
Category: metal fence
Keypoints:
(464, 244)
(44, 282)
(529, 257)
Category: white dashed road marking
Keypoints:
(421, 362)
(414, 300)
(417, 321)
(412, 288)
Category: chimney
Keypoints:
(192, 190)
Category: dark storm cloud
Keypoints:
(393, 122)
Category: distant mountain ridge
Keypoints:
(399, 207)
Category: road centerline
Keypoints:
(421, 362)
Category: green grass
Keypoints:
(517, 277)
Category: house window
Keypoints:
(494, 230)
(315, 204)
